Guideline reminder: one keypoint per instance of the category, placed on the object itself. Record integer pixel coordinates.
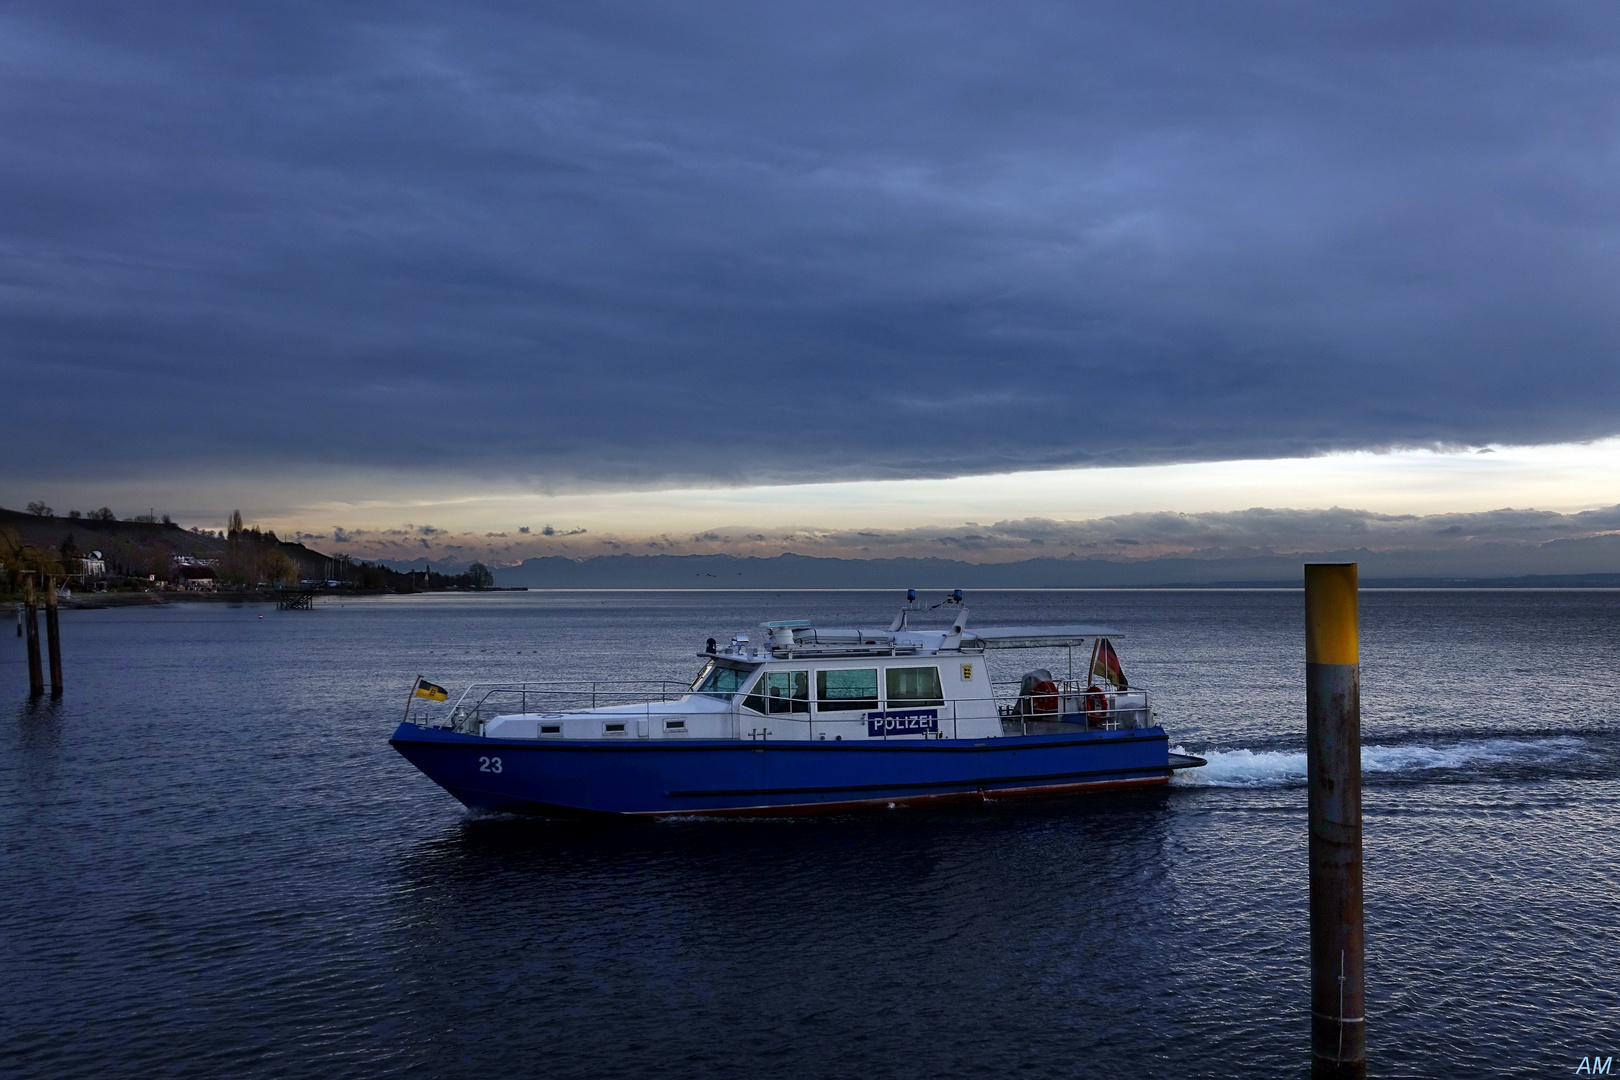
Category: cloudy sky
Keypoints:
(662, 273)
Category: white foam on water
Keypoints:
(1243, 768)
(1286, 768)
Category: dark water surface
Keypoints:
(214, 865)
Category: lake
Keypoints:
(214, 864)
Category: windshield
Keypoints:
(720, 680)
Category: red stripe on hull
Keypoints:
(855, 805)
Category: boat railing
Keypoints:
(1072, 702)
(480, 701)
(1102, 709)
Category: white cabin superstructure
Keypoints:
(802, 683)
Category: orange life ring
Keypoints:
(1096, 703)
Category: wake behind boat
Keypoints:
(809, 720)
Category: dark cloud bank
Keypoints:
(640, 242)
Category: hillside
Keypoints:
(134, 545)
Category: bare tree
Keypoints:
(38, 507)
(242, 563)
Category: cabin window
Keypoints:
(838, 691)
(613, 729)
(720, 680)
(551, 729)
(781, 692)
(674, 725)
(914, 686)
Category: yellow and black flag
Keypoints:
(430, 691)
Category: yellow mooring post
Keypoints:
(1333, 771)
(36, 674)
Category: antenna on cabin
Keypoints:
(900, 619)
(953, 640)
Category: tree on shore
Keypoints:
(279, 568)
(252, 557)
(38, 507)
(242, 563)
(128, 556)
(18, 558)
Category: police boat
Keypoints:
(809, 720)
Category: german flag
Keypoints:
(1105, 664)
(430, 691)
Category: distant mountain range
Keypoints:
(1584, 562)
(789, 571)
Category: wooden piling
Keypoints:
(36, 674)
(53, 636)
(302, 600)
(1333, 768)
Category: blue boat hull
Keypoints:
(669, 777)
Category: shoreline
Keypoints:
(100, 601)
(90, 601)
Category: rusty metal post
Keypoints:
(1333, 769)
(53, 636)
(36, 674)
